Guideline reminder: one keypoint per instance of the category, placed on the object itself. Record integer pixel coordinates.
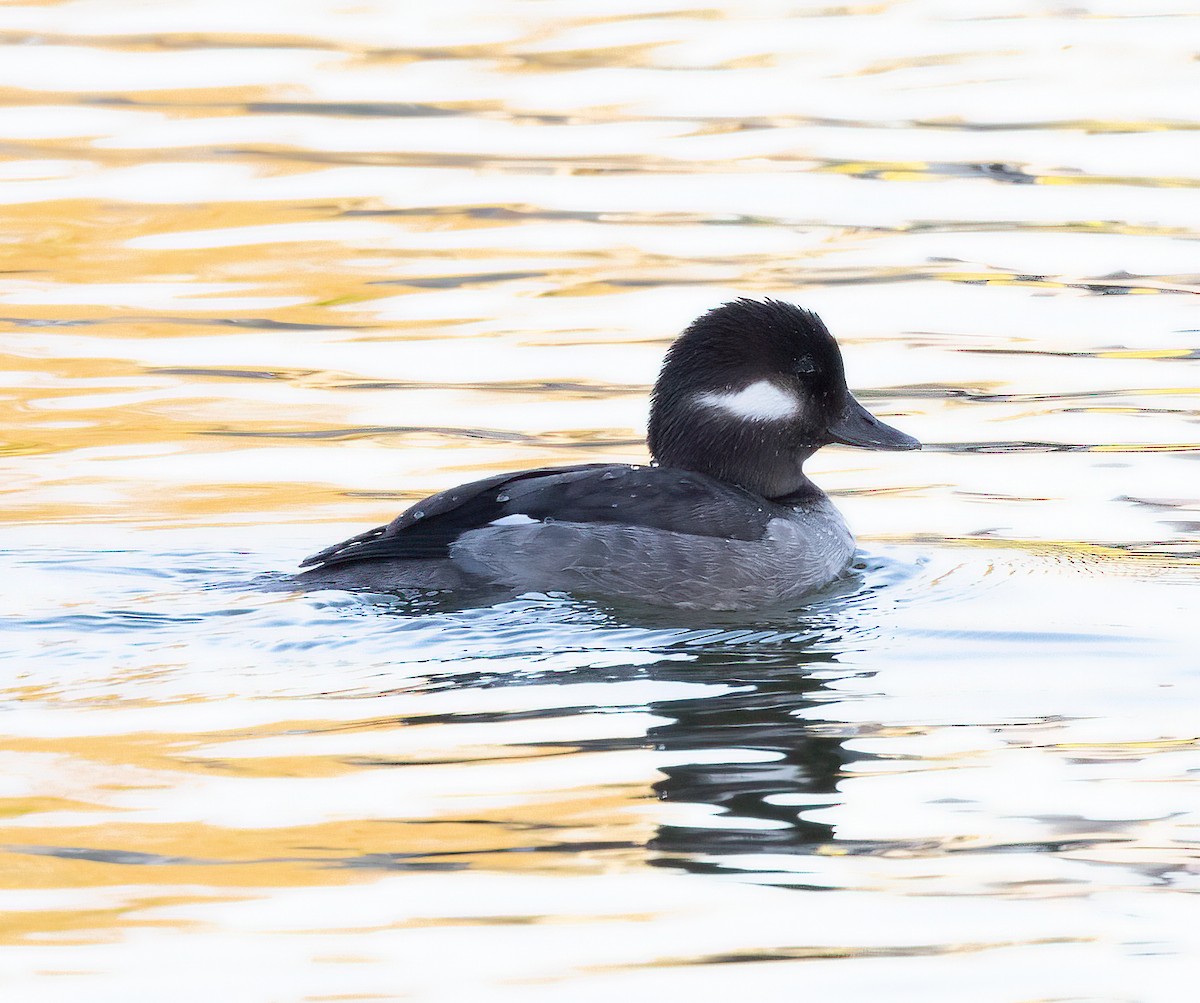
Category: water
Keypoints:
(273, 271)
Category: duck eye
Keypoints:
(804, 364)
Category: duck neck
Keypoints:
(805, 491)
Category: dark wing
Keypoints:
(375, 542)
(651, 497)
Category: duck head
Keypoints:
(751, 390)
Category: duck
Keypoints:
(722, 518)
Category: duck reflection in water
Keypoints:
(772, 670)
(756, 800)
(759, 758)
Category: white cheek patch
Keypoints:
(761, 401)
(513, 520)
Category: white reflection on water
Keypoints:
(274, 270)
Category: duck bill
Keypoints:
(856, 426)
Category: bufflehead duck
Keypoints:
(723, 519)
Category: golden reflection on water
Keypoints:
(271, 272)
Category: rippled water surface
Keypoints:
(271, 271)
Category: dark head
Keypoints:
(750, 391)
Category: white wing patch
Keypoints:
(513, 520)
(761, 401)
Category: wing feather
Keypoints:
(650, 497)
